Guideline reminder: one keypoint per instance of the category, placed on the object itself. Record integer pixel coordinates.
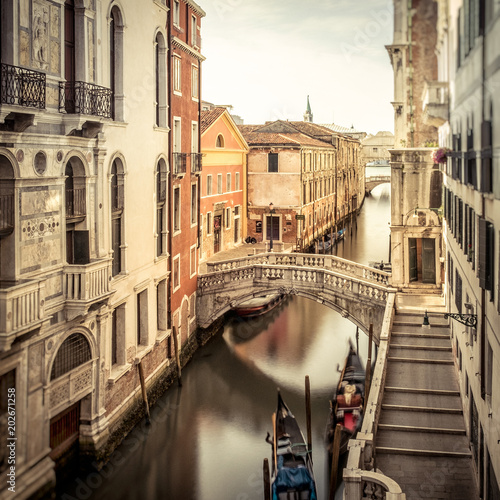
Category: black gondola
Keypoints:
(347, 407)
(292, 477)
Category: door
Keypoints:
(236, 229)
(428, 261)
(69, 54)
(273, 224)
(217, 226)
(412, 246)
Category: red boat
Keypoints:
(258, 305)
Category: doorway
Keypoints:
(272, 224)
(217, 229)
(422, 260)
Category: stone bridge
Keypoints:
(357, 292)
(375, 180)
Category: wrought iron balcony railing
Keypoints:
(75, 202)
(6, 214)
(22, 87)
(196, 163)
(85, 98)
(180, 161)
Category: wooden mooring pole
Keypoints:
(177, 358)
(267, 480)
(335, 461)
(368, 374)
(144, 391)
(308, 416)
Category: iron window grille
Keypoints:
(6, 214)
(74, 351)
(180, 161)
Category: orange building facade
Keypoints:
(223, 186)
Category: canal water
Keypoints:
(206, 440)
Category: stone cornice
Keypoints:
(196, 8)
(176, 42)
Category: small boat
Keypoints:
(347, 408)
(258, 305)
(292, 477)
(340, 235)
(325, 244)
(382, 266)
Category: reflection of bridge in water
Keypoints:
(375, 180)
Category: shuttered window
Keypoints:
(486, 254)
(458, 291)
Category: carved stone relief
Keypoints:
(40, 34)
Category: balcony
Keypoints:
(21, 310)
(85, 285)
(85, 99)
(180, 161)
(6, 214)
(75, 203)
(196, 163)
(22, 87)
(435, 103)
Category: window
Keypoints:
(177, 74)
(142, 318)
(486, 156)
(161, 82)
(177, 272)
(177, 9)
(209, 223)
(228, 217)
(74, 351)
(470, 162)
(177, 135)
(192, 261)
(7, 389)
(209, 185)
(116, 29)
(486, 255)
(237, 181)
(195, 92)
(489, 368)
(117, 203)
(458, 291)
(118, 336)
(194, 137)
(161, 216)
(219, 183)
(193, 32)
(161, 306)
(194, 204)
(228, 183)
(219, 142)
(272, 162)
(177, 208)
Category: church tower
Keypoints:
(308, 116)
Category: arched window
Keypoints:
(161, 81)
(74, 351)
(219, 143)
(116, 62)
(161, 207)
(117, 204)
(7, 220)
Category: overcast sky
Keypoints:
(265, 57)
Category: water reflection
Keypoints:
(207, 439)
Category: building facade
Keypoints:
(87, 234)
(223, 192)
(468, 83)
(375, 148)
(320, 179)
(185, 109)
(416, 180)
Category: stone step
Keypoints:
(397, 416)
(422, 400)
(423, 453)
(419, 335)
(421, 359)
(422, 347)
(429, 430)
(423, 409)
(422, 442)
(396, 328)
(420, 341)
(429, 354)
(422, 376)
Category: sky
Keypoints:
(264, 57)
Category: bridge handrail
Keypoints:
(325, 262)
(375, 178)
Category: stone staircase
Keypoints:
(421, 441)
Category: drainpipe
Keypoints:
(410, 67)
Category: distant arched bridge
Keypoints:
(357, 292)
(375, 180)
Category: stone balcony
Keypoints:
(21, 310)
(435, 103)
(85, 285)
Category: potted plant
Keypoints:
(440, 155)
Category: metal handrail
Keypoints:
(85, 98)
(22, 87)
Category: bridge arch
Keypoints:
(357, 292)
